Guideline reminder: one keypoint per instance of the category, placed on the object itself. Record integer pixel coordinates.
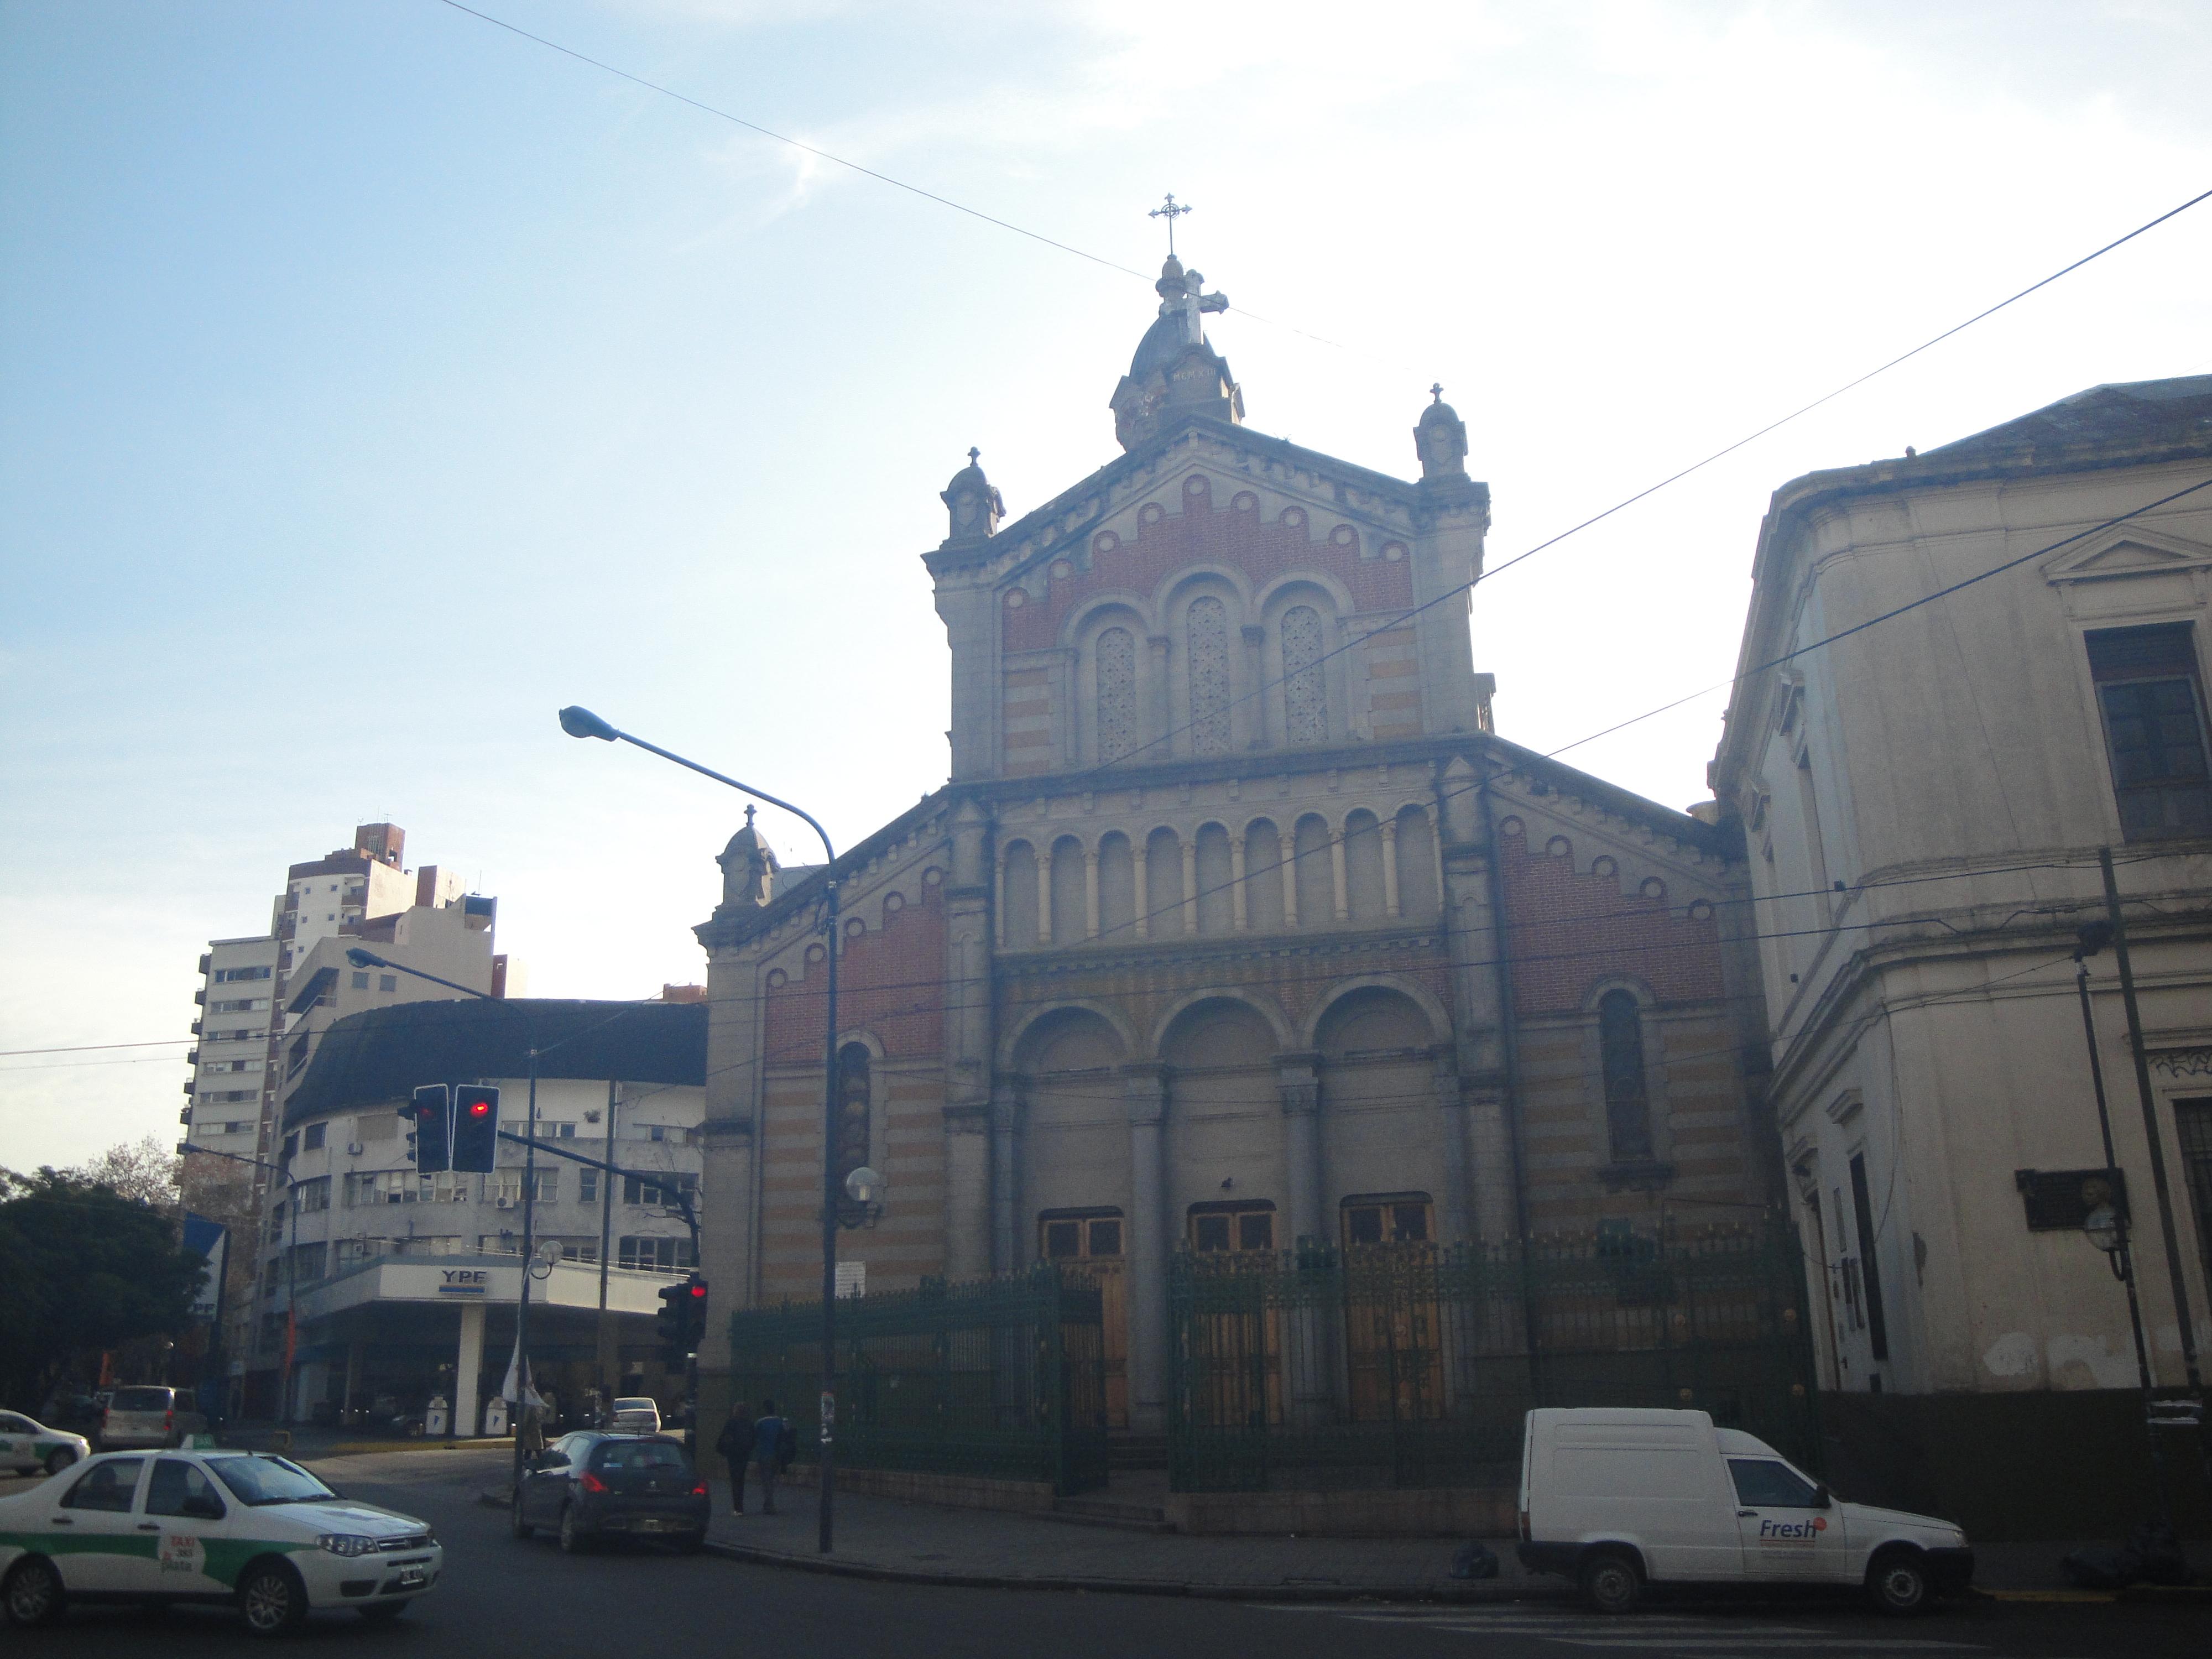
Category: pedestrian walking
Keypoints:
(735, 1443)
(773, 1443)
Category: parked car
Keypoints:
(634, 1415)
(246, 1529)
(598, 1485)
(143, 1417)
(27, 1446)
(1620, 1499)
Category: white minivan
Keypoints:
(1618, 1498)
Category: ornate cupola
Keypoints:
(974, 505)
(1176, 370)
(749, 869)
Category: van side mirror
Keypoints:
(1822, 1500)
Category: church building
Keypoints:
(1236, 925)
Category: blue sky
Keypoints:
(374, 381)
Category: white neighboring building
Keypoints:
(1924, 803)
(406, 1283)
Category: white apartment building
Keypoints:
(405, 1284)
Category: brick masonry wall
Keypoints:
(890, 984)
(1202, 534)
(1572, 926)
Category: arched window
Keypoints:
(1116, 652)
(1627, 1107)
(853, 1104)
(1305, 684)
(1208, 662)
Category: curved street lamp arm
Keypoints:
(590, 725)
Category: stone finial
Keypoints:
(748, 867)
(974, 505)
(1440, 438)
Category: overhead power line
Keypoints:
(1627, 501)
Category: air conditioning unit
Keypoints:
(506, 1203)
(353, 1149)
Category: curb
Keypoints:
(365, 1448)
(1314, 1593)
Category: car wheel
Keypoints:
(273, 1600)
(383, 1612)
(1896, 1582)
(522, 1527)
(59, 1459)
(33, 1594)
(1612, 1581)
(571, 1536)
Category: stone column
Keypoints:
(1137, 853)
(1151, 1239)
(1044, 893)
(1392, 904)
(1490, 1162)
(969, 1222)
(1436, 846)
(1251, 708)
(1156, 700)
(1007, 1251)
(999, 898)
(1298, 1075)
(727, 1229)
(1091, 892)
(1286, 854)
(1343, 892)
(468, 1369)
(1190, 884)
(1237, 917)
(1456, 1208)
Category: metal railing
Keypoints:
(999, 1378)
(1415, 1364)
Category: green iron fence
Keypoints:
(1001, 1378)
(1414, 1364)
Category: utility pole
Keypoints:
(2183, 1317)
(607, 1358)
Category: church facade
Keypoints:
(1236, 925)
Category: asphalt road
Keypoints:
(502, 1598)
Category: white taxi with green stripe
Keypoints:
(250, 1530)
(29, 1446)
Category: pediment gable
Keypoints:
(2128, 551)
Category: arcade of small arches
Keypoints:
(1269, 877)
(1183, 671)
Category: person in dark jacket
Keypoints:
(771, 1432)
(735, 1443)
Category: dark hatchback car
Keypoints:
(586, 1486)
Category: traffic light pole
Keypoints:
(579, 722)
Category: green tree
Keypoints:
(82, 1266)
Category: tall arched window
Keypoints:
(1627, 1106)
(1116, 652)
(1305, 685)
(1208, 660)
(853, 1088)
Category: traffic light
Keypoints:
(695, 1313)
(476, 1129)
(429, 1119)
(670, 1324)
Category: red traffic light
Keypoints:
(480, 1109)
(699, 1291)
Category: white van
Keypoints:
(1616, 1498)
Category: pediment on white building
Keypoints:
(2125, 551)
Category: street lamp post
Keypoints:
(579, 722)
(361, 959)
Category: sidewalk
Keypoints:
(884, 1538)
